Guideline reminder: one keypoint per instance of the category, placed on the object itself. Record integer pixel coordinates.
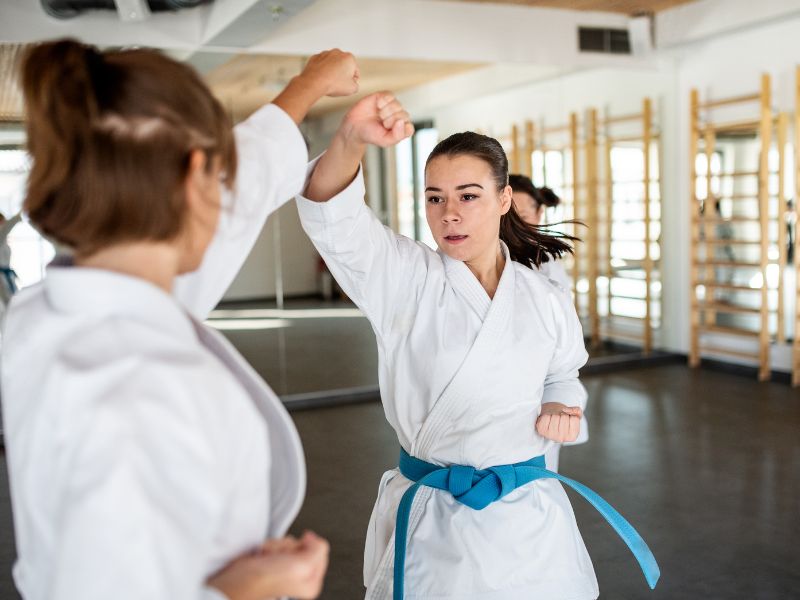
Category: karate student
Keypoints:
(146, 458)
(530, 203)
(478, 356)
(8, 278)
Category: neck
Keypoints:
(488, 269)
(155, 262)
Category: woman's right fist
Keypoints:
(336, 72)
(281, 567)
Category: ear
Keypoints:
(505, 200)
(194, 184)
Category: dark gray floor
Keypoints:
(705, 464)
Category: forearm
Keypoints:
(336, 168)
(299, 96)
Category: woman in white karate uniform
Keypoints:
(530, 203)
(479, 358)
(146, 458)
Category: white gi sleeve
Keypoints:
(561, 383)
(143, 497)
(371, 263)
(272, 157)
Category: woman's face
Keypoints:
(528, 208)
(463, 206)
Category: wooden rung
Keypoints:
(621, 334)
(729, 331)
(724, 242)
(613, 317)
(727, 286)
(624, 297)
(750, 125)
(735, 174)
(631, 138)
(727, 308)
(718, 220)
(725, 351)
(730, 100)
(723, 263)
(623, 118)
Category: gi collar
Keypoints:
(101, 293)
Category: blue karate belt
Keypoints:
(11, 278)
(478, 488)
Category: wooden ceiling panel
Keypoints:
(10, 93)
(628, 7)
(247, 82)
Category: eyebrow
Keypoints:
(458, 187)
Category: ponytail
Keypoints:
(532, 244)
(546, 197)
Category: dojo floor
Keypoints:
(705, 463)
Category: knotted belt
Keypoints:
(478, 488)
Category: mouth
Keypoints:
(455, 239)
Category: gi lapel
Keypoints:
(496, 314)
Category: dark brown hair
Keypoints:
(543, 196)
(530, 245)
(111, 135)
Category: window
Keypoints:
(411, 155)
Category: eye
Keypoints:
(435, 199)
(469, 197)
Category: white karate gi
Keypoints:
(462, 380)
(144, 453)
(554, 271)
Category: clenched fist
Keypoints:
(558, 422)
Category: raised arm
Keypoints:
(272, 159)
(369, 261)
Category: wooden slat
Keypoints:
(763, 194)
(727, 308)
(731, 242)
(737, 174)
(731, 100)
(622, 119)
(648, 262)
(694, 211)
(727, 286)
(527, 167)
(730, 264)
(731, 127)
(707, 349)
(591, 214)
(783, 131)
(633, 138)
(573, 137)
(729, 331)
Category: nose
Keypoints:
(451, 214)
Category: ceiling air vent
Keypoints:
(67, 9)
(609, 41)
